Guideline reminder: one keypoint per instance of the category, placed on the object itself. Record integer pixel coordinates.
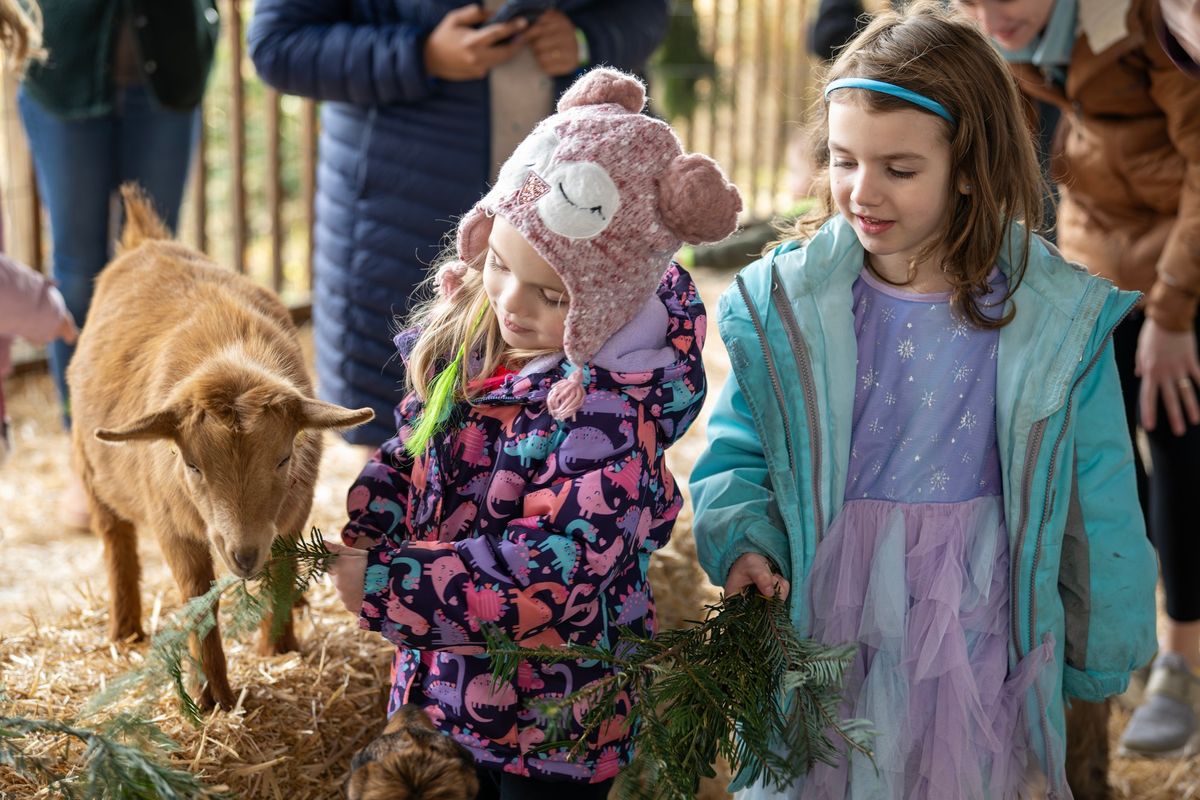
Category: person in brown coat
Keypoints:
(1126, 158)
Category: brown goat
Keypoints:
(412, 760)
(198, 373)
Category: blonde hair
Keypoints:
(20, 34)
(445, 323)
(945, 58)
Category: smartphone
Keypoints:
(529, 9)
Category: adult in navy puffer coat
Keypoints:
(402, 155)
(544, 529)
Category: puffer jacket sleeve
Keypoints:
(731, 493)
(1108, 569)
(309, 48)
(622, 33)
(1173, 299)
(547, 569)
(377, 503)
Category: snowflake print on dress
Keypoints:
(907, 412)
(868, 378)
(939, 480)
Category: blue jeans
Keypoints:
(80, 163)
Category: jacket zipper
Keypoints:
(808, 386)
(761, 333)
(1049, 507)
(1030, 460)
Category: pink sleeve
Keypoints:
(30, 305)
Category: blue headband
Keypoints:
(895, 91)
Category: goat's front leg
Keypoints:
(191, 565)
(124, 572)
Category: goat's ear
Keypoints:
(158, 425)
(315, 414)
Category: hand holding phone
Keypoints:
(459, 50)
(530, 10)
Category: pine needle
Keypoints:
(119, 761)
(741, 685)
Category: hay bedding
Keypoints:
(301, 715)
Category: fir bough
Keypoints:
(121, 760)
(122, 755)
(292, 566)
(741, 685)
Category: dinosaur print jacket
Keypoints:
(542, 528)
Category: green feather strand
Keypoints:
(441, 398)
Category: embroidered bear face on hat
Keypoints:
(606, 195)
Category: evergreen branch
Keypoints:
(741, 684)
(117, 760)
(293, 565)
(117, 763)
(167, 652)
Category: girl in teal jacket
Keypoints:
(924, 434)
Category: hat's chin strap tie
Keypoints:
(566, 396)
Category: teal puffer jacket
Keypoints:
(774, 473)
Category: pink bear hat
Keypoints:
(607, 196)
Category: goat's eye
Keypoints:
(194, 468)
(284, 462)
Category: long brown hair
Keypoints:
(943, 56)
(20, 33)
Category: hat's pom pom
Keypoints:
(566, 397)
(605, 85)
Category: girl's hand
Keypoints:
(66, 329)
(348, 574)
(1167, 364)
(752, 568)
(457, 51)
(552, 39)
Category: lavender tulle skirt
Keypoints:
(924, 589)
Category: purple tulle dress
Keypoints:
(915, 567)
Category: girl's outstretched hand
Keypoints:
(752, 568)
(348, 573)
(1166, 362)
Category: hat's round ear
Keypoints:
(604, 85)
(697, 202)
(473, 232)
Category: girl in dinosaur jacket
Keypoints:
(527, 487)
